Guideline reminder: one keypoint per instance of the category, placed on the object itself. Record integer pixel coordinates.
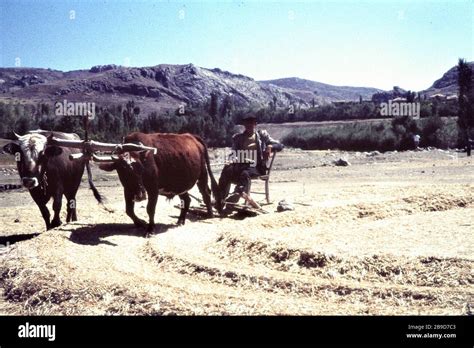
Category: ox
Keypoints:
(180, 161)
(46, 171)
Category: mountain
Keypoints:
(164, 87)
(448, 83)
(321, 92)
(161, 87)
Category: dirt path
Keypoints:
(391, 234)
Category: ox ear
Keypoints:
(52, 151)
(11, 148)
(108, 167)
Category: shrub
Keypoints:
(385, 136)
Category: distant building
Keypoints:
(399, 100)
(341, 102)
(438, 96)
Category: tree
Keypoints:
(44, 109)
(48, 123)
(410, 96)
(227, 106)
(130, 114)
(69, 124)
(465, 100)
(118, 127)
(214, 105)
(23, 125)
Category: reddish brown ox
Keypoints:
(46, 171)
(181, 160)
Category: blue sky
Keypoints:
(371, 43)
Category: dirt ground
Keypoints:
(390, 234)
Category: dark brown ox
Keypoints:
(47, 172)
(181, 161)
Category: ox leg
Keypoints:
(150, 209)
(206, 193)
(130, 210)
(185, 201)
(70, 193)
(74, 213)
(68, 210)
(41, 201)
(46, 215)
(71, 207)
(57, 201)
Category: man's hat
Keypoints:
(249, 116)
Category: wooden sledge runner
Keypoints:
(250, 208)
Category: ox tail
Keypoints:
(214, 186)
(96, 193)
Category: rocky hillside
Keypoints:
(321, 92)
(164, 87)
(447, 84)
(161, 87)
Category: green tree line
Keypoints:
(213, 121)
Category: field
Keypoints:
(280, 130)
(389, 234)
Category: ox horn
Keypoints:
(76, 156)
(77, 144)
(135, 147)
(98, 146)
(101, 159)
(16, 135)
(80, 144)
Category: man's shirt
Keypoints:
(256, 143)
(249, 142)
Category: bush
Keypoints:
(382, 136)
(216, 130)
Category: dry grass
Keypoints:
(356, 247)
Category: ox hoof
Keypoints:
(219, 207)
(140, 223)
(55, 223)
